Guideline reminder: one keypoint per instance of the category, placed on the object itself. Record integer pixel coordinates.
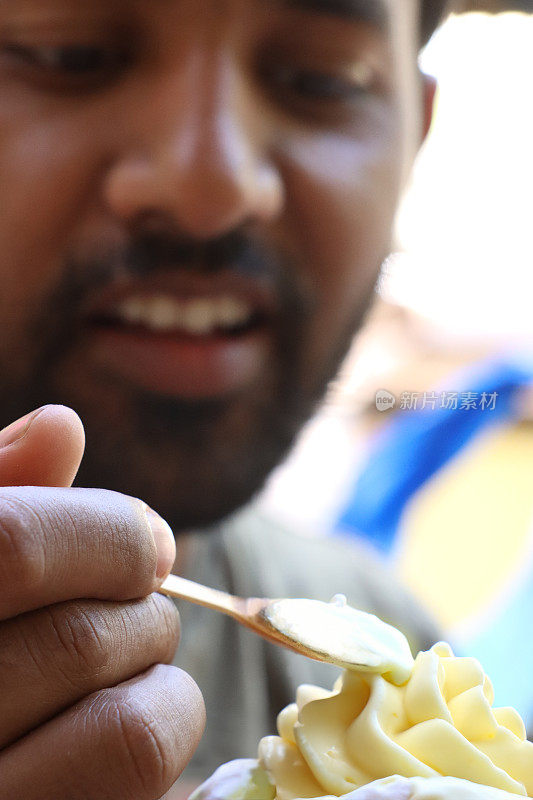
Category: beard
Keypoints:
(194, 461)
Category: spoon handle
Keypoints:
(174, 586)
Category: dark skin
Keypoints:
(289, 129)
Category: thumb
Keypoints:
(43, 448)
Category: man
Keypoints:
(198, 195)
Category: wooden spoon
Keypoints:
(331, 632)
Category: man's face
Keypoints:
(196, 199)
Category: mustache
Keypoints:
(236, 251)
(149, 253)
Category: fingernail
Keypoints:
(164, 542)
(17, 430)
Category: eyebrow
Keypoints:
(373, 12)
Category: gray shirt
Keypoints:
(245, 680)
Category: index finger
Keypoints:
(65, 544)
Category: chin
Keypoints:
(194, 476)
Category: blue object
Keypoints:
(417, 443)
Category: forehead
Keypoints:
(377, 13)
(396, 21)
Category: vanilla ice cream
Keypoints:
(440, 722)
(438, 728)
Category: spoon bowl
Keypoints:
(331, 632)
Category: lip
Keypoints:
(177, 364)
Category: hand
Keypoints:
(89, 707)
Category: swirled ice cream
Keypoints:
(439, 722)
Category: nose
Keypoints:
(198, 162)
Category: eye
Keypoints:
(319, 86)
(340, 86)
(335, 94)
(67, 64)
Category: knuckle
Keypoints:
(191, 690)
(165, 619)
(140, 746)
(22, 544)
(197, 716)
(143, 554)
(127, 542)
(80, 641)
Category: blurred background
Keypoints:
(430, 427)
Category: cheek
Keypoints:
(341, 202)
(46, 165)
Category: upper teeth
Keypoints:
(200, 316)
